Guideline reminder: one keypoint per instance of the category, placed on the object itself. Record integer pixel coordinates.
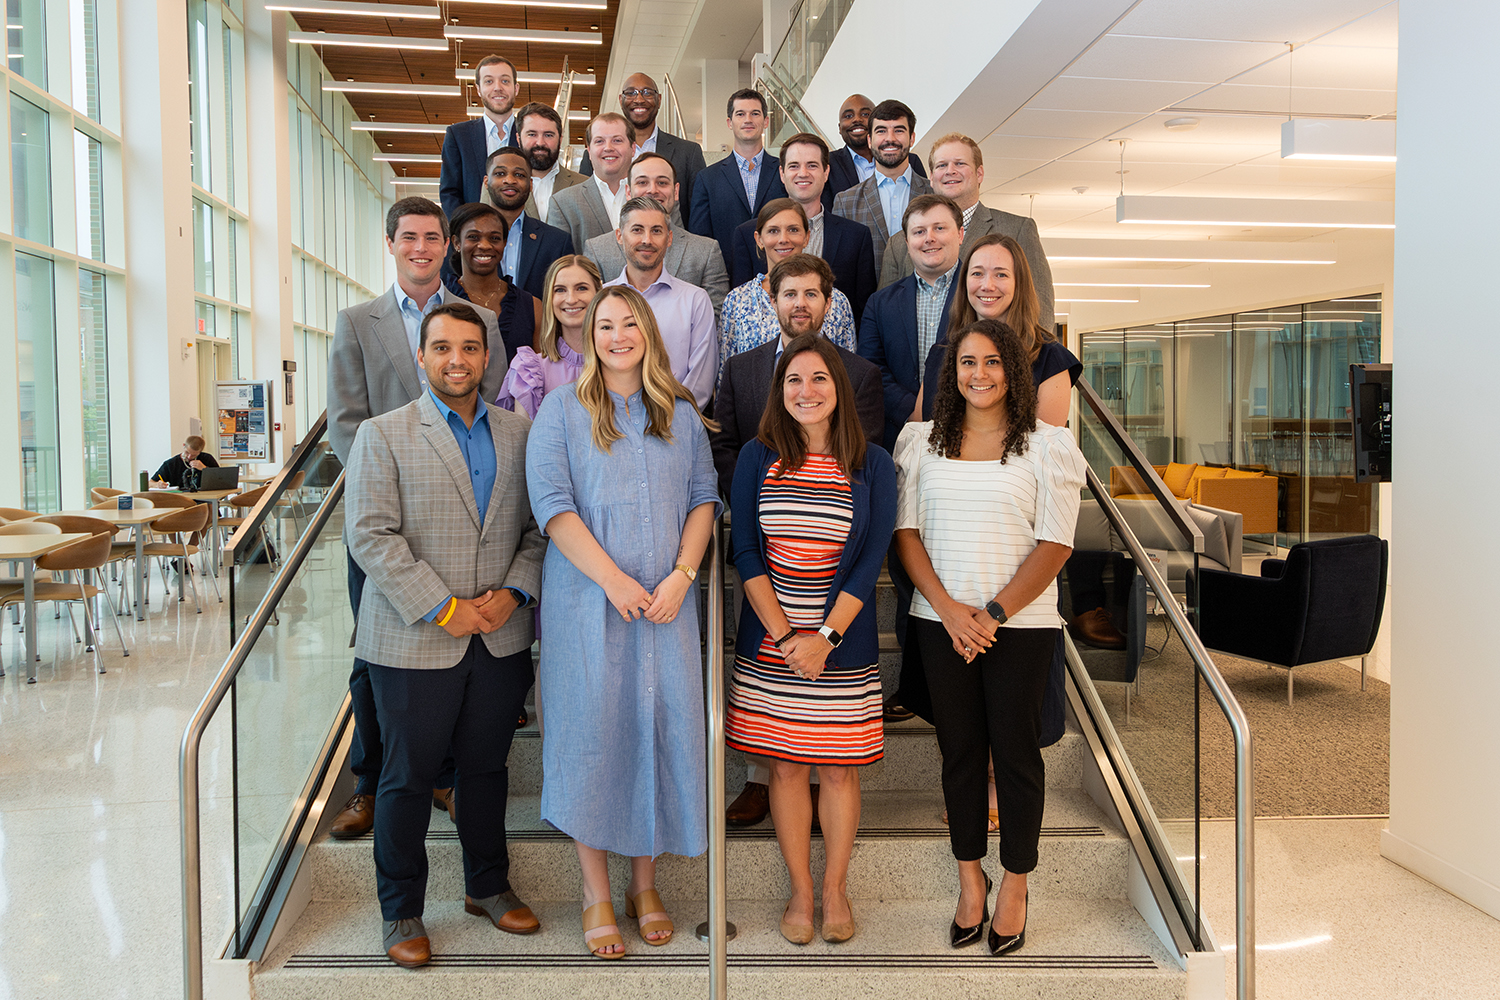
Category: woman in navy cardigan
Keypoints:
(813, 511)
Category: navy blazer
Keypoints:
(874, 490)
(541, 245)
(719, 204)
(464, 153)
(848, 248)
(888, 337)
(842, 174)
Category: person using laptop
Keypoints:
(192, 458)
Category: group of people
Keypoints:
(538, 443)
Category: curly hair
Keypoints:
(947, 436)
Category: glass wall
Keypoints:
(30, 170)
(26, 39)
(1264, 391)
(36, 336)
(93, 347)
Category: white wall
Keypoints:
(1445, 743)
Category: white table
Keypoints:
(137, 518)
(25, 549)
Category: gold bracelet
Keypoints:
(687, 571)
(452, 607)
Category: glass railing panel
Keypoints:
(815, 24)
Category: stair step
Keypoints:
(902, 851)
(1075, 950)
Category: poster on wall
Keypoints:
(244, 419)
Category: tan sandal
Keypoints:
(602, 915)
(650, 902)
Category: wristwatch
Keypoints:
(995, 611)
(834, 638)
(688, 571)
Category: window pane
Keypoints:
(1203, 391)
(26, 40)
(88, 166)
(84, 45)
(36, 336)
(1338, 333)
(95, 348)
(1268, 394)
(1148, 390)
(203, 248)
(229, 38)
(198, 93)
(30, 177)
(206, 325)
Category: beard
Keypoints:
(509, 205)
(542, 159)
(863, 142)
(890, 157)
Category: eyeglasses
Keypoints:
(645, 92)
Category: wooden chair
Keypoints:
(17, 514)
(84, 557)
(30, 528)
(290, 503)
(245, 502)
(179, 525)
(113, 503)
(99, 494)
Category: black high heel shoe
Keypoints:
(1010, 942)
(962, 937)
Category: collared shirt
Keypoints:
(495, 134)
(541, 189)
(865, 168)
(750, 175)
(895, 195)
(815, 233)
(749, 320)
(685, 317)
(969, 213)
(930, 301)
(412, 315)
(649, 146)
(613, 201)
(510, 260)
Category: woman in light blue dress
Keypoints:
(623, 484)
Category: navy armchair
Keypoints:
(1323, 602)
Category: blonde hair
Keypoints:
(955, 137)
(659, 387)
(551, 329)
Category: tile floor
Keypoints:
(90, 873)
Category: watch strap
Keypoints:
(995, 611)
(834, 638)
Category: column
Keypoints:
(721, 77)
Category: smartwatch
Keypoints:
(995, 611)
(834, 638)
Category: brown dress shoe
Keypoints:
(894, 711)
(506, 911)
(752, 805)
(1095, 628)
(442, 798)
(356, 819)
(406, 943)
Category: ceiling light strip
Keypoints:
(569, 4)
(1279, 212)
(579, 79)
(1078, 250)
(408, 89)
(1343, 141)
(528, 35)
(356, 8)
(368, 41)
(408, 157)
(427, 127)
(1126, 284)
(415, 182)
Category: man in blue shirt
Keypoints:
(439, 517)
(733, 190)
(880, 200)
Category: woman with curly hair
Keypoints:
(988, 503)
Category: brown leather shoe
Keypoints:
(442, 798)
(505, 911)
(894, 711)
(406, 943)
(1095, 628)
(752, 805)
(356, 819)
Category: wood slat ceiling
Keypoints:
(388, 66)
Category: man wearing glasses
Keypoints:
(640, 100)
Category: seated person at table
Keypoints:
(192, 458)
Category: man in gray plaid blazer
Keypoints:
(440, 519)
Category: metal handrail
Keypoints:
(671, 110)
(1239, 726)
(718, 922)
(796, 114)
(192, 738)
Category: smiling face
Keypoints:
(497, 89)
(981, 373)
(891, 141)
(991, 281)
(418, 248)
(539, 137)
(618, 340)
(783, 235)
(808, 391)
(800, 305)
(955, 174)
(509, 180)
(480, 245)
(854, 122)
(572, 292)
(454, 357)
(803, 173)
(609, 150)
(639, 101)
(653, 178)
(933, 240)
(644, 237)
(747, 121)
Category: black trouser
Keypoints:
(992, 706)
(473, 707)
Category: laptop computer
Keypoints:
(224, 477)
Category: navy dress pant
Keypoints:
(472, 707)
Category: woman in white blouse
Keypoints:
(988, 505)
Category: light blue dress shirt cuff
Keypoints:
(432, 616)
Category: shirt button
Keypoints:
(643, 486)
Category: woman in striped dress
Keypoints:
(813, 511)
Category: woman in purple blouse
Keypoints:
(572, 282)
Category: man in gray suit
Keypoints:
(958, 172)
(640, 100)
(439, 516)
(880, 200)
(593, 208)
(693, 258)
(373, 369)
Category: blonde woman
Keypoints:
(622, 482)
(572, 282)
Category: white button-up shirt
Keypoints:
(613, 201)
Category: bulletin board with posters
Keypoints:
(244, 421)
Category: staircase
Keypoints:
(1085, 939)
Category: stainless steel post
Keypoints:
(717, 930)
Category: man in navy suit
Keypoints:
(903, 321)
(530, 244)
(731, 191)
(640, 100)
(846, 245)
(467, 144)
(855, 161)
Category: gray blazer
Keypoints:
(372, 370)
(565, 179)
(862, 204)
(986, 220)
(580, 212)
(414, 529)
(693, 258)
